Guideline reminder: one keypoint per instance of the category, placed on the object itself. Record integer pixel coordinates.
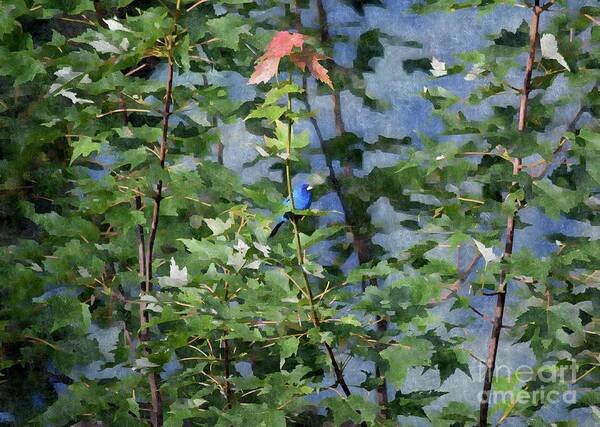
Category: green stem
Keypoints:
(288, 160)
(299, 250)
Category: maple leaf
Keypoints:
(308, 58)
(264, 71)
(282, 44)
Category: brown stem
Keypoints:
(533, 38)
(214, 123)
(159, 187)
(139, 231)
(359, 242)
(227, 373)
(156, 414)
(340, 128)
(99, 13)
(323, 22)
(510, 229)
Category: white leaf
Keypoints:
(177, 276)
(124, 45)
(487, 253)
(241, 247)
(148, 298)
(263, 248)
(236, 260)
(217, 226)
(74, 99)
(475, 72)
(261, 151)
(144, 363)
(66, 74)
(115, 25)
(254, 265)
(176, 273)
(103, 46)
(36, 267)
(438, 68)
(550, 50)
(154, 307)
(83, 272)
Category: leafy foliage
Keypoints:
(113, 118)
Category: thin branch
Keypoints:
(300, 252)
(563, 140)
(157, 415)
(474, 356)
(591, 18)
(120, 110)
(510, 228)
(214, 123)
(198, 3)
(455, 287)
(359, 242)
(485, 317)
(136, 69)
(225, 355)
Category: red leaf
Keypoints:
(309, 58)
(282, 44)
(264, 71)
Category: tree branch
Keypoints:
(359, 242)
(510, 228)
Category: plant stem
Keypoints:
(510, 229)
(225, 355)
(299, 250)
(288, 160)
(156, 416)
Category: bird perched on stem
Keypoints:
(302, 200)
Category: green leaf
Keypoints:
(408, 352)
(288, 347)
(84, 146)
(354, 409)
(554, 199)
(227, 29)
(381, 269)
(271, 112)
(278, 91)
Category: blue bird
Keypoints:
(302, 200)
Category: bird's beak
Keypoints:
(309, 187)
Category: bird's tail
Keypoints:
(276, 228)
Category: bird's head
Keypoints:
(306, 187)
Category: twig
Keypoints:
(591, 18)
(198, 3)
(120, 110)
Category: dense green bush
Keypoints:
(139, 283)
